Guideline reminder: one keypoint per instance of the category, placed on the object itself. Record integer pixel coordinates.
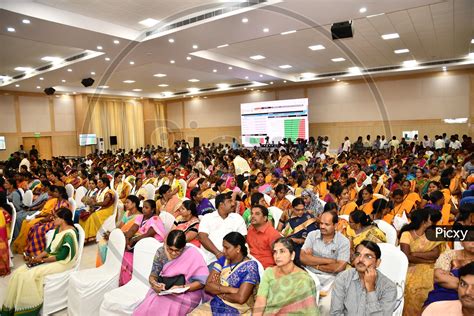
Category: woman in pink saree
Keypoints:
(175, 266)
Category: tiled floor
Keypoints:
(87, 261)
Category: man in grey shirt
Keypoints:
(363, 291)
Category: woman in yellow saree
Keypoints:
(362, 228)
(105, 201)
(25, 289)
(5, 231)
(122, 187)
(422, 254)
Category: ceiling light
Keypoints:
(307, 75)
(172, 61)
(285, 66)
(41, 78)
(284, 81)
(128, 81)
(401, 51)
(261, 76)
(100, 47)
(51, 59)
(338, 80)
(223, 85)
(444, 68)
(410, 63)
(390, 36)
(205, 97)
(25, 69)
(38, 87)
(93, 73)
(17, 85)
(374, 15)
(171, 40)
(107, 59)
(116, 42)
(149, 22)
(271, 82)
(230, 68)
(26, 21)
(338, 60)
(316, 47)
(245, 20)
(159, 75)
(167, 93)
(195, 46)
(132, 62)
(162, 85)
(103, 87)
(246, 77)
(10, 29)
(214, 70)
(266, 30)
(193, 90)
(288, 32)
(188, 58)
(193, 80)
(354, 70)
(137, 90)
(63, 81)
(224, 45)
(362, 10)
(460, 120)
(257, 57)
(471, 55)
(69, 70)
(333, 78)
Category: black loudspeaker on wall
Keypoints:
(342, 30)
(113, 140)
(49, 91)
(87, 82)
(196, 141)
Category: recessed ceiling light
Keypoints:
(10, 29)
(52, 59)
(93, 73)
(374, 15)
(25, 69)
(100, 47)
(338, 80)
(149, 22)
(338, 60)
(285, 66)
(271, 82)
(107, 58)
(214, 70)
(159, 75)
(390, 36)
(128, 81)
(284, 81)
(74, 93)
(261, 76)
(205, 97)
(162, 85)
(230, 68)
(137, 90)
(172, 61)
(195, 46)
(69, 70)
(193, 80)
(38, 87)
(354, 70)
(188, 58)
(245, 88)
(363, 10)
(246, 77)
(257, 57)
(288, 32)
(401, 51)
(171, 40)
(17, 85)
(410, 63)
(116, 42)
(224, 45)
(132, 62)
(103, 87)
(266, 30)
(472, 41)
(444, 68)
(245, 20)
(41, 78)
(333, 78)
(223, 85)
(63, 80)
(26, 21)
(193, 90)
(316, 47)
(307, 75)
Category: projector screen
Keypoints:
(2, 143)
(275, 119)
(87, 139)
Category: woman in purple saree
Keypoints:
(175, 266)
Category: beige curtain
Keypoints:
(156, 126)
(121, 118)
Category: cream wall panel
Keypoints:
(34, 114)
(291, 94)
(64, 116)
(7, 114)
(174, 113)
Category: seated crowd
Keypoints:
(253, 228)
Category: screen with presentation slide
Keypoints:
(2, 143)
(87, 139)
(275, 120)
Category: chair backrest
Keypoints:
(150, 191)
(80, 193)
(168, 220)
(394, 265)
(276, 214)
(290, 197)
(116, 249)
(213, 202)
(82, 238)
(317, 284)
(12, 225)
(69, 190)
(380, 196)
(344, 217)
(143, 255)
(73, 204)
(22, 193)
(458, 246)
(389, 230)
(28, 198)
(261, 269)
(267, 198)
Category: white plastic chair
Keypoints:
(124, 300)
(267, 198)
(276, 214)
(56, 285)
(109, 223)
(28, 198)
(80, 193)
(73, 204)
(150, 191)
(12, 227)
(87, 287)
(317, 284)
(22, 193)
(389, 230)
(380, 196)
(213, 202)
(394, 265)
(290, 197)
(261, 269)
(69, 190)
(168, 220)
(457, 245)
(344, 217)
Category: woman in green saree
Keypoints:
(285, 289)
(25, 289)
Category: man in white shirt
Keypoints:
(326, 143)
(241, 165)
(383, 142)
(347, 144)
(426, 142)
(439, 143)
(214, 226)
(455, 143)
(394, 142)
(24, 162)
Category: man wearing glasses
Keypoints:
(363, 290)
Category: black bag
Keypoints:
(169, 282)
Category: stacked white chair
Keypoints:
(394, 265)
(150, 191)
(109, 223)
(267, 198)
(317, 284)
(28, 198)
(125, 299)
(69, 190)
(168, 220)
(389, 230)
(80, 193)
(276, 214)
(56, 285)
(87, 287)
(12, 227)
